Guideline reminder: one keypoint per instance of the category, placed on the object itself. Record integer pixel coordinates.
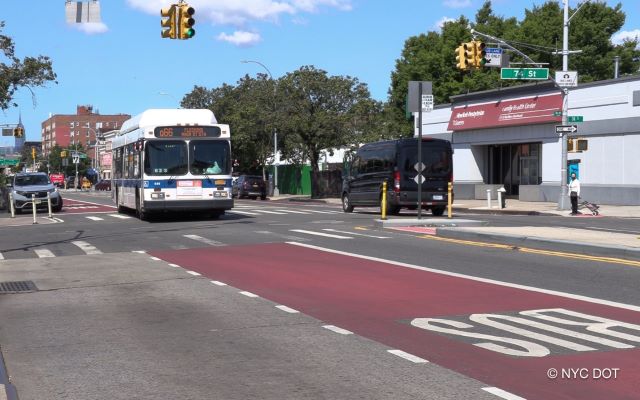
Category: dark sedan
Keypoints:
(252, 186)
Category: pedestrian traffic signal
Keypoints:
(169, 21)
(460, 58)
(186, 21)
(18, 132)
(479, 54)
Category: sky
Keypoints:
(122, 65)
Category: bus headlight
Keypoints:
(219, 194)
(157, 195)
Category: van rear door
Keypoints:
(437, 171)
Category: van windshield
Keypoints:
(436, 158)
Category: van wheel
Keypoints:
(437, 211)
(346, 204)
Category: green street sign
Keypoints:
(557, 113)
(524, 73)
(575, 118)
(9, 162)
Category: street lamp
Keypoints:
(276, 192)
(170, 95)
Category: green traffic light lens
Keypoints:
(191, 32)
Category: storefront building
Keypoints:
(507, 138)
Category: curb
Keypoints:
(502, 212)
(5, 384)
(543, 243)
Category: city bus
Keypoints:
(172, 160)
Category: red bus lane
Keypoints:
(84, 207)
(532, 343)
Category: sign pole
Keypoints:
(420, 153)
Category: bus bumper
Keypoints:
(187, 205)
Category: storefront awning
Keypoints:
(524, 111)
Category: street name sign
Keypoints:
(567, 78)
(524, 73)
(9, 161)
(575, 118)
(557, 113)
(566, 129)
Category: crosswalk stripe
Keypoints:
(323, 212)
(44, 253)
(119, 216)
(268, 212)
(95, 218)
(86, 247)
(321, 234)
(294, 212)
(204, 240)
(242, 212)
(1, 256)
(357, 234)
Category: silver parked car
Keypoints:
(38, 183)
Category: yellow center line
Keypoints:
(612, 260)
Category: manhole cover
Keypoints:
(17, 287)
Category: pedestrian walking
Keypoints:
(574, 193)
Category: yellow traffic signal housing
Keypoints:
(33, 153)
(18, 132)
(469, 54)
(169, 21)
(479, 54)
(186, 21)
(63, 154)
(460, 58)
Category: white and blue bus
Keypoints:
(172, 160)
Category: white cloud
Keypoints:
(619, 37)
(438, 25)
(457, 3)
(90, 28)
(240, 38)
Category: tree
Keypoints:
(317, 112)
(31, 71)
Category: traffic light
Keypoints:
(460, 58)
(63, 154)
(169, 22)
(18, 132)
(186, 21)
(479, 54)
(469, 54)
(33, 153)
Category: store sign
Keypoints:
(105, 160)
(526, 111)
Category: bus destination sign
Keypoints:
(186, 132)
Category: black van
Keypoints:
(394, 161)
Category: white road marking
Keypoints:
(287, 309)
(613, 230)
(139, 251)
(321, 234)
(86, 247)
(219, 283)
(174, 265)
(119, 216)
(269, 212)
(58, 219)
(194, 273)
(3, 392)
(475, 278)
(337, 330)
(357, 234)
(155, 258)
(242, 212)
(501, 393)
(1, 256)
(294, 211)
(407, 356)
(95, 218)
(249, 294)
(44, 253)
(323, 212)
(204, 240)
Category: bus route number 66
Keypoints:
(166, 132)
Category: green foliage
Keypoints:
(32, 71)
(431, 56)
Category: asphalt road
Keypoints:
(127, 308)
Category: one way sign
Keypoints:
(566, 129)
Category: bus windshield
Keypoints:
(165, 157)
(209, 157)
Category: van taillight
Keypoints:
(396, 182)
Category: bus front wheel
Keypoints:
(139, 211)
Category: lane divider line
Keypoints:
(95, 218)
(287, 309)
(218, 283)
(577, 256)
(242, 212)
(154, 258)
(249, 294)
(174, 265)
(502, 394)
(86, 247)
(357, 234)
(337, 330)
(194, 273)
(204, 240)
(139, 251)
(321, 234)
(475, 278)
(407, 356)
